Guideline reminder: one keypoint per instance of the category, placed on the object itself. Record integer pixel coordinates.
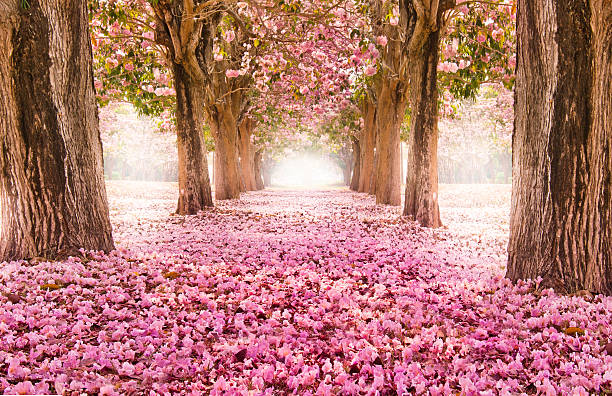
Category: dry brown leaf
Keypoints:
(50, 286)
(571, 331)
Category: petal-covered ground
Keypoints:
(305, 292)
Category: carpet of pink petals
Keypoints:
(297, 292)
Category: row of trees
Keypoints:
(219, 63)
(474, 142)
(305, 53)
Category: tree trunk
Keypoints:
(367, 145)
(225, 131)
(346, 173)
(52, 193)
(561, 214)
(389, 116)
(267, 175)
(372, 188)
(421, 200)
(194, 182)
(257, 160)
(267, 172)
(356, 164)
(245, 150)
(240, 174)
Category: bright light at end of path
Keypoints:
(306, 171)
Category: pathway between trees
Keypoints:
(306, 291)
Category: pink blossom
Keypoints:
(15, 370)
(112, 62)
(370, 70)
(498, 34)
(512, 62)
(313, 291)
(23, 388)
(108, 390)
(229, 36)
(231, 73)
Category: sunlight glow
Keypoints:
(306, 171)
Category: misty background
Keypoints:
(474, 148)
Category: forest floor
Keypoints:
(306, 292)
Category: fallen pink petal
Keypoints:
(296, 291)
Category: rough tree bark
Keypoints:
(52, 192)
(225, 104)
(194, 182)
(187, 38)
(391, 106)
(390, 89)
(408, 56)
(421, 200)
(223, 126)
(246, 152)
(258, 168)
(367, 145)
(561, 214)
(356, 164)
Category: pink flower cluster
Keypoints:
(313, 293)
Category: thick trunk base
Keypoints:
(52, 193)
(561, 214)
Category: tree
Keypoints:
(367, 143)
(246, 151)
(339, 136)
(137, 39)
(409, 36)
(258, 169)
(226, 87)
(421, 198)
(561, 216)
(52, 194)
(356, 165)
(187, 30)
